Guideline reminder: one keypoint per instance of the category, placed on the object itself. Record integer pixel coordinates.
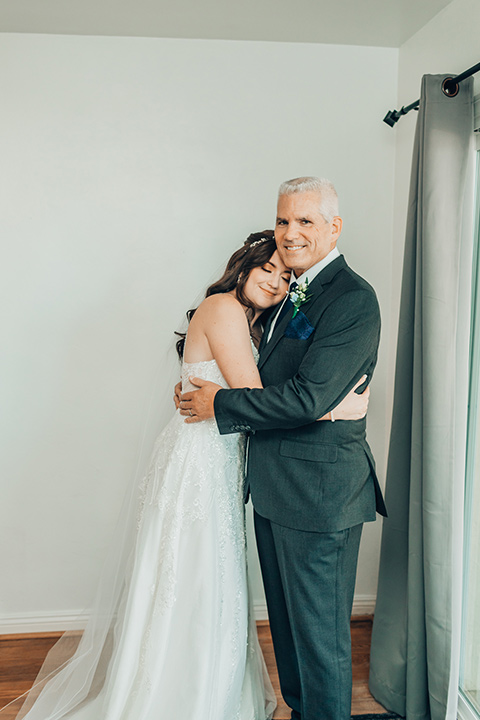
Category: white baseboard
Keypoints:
(260, 611)
(364, 605)
(16, 623)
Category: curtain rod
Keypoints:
(449, 88)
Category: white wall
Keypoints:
(131, 168)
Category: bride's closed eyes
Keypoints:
(267, 284)
(286, 277)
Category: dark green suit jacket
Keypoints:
(302, 474)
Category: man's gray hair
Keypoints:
(322, 186)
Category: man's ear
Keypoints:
(336, 227)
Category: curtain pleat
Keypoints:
(415, 641)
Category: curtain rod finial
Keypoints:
(392, 117)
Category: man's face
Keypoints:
(302, 235)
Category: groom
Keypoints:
(313, 484)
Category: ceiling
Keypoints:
(384, 23)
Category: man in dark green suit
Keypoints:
(313, 484)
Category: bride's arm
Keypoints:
(222, 321)
(353, 406)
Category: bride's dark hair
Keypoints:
(257, 250)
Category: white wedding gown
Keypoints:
(186, 646)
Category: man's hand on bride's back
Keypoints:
(197, 405)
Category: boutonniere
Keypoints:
(299, 296)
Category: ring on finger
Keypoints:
(190, 411)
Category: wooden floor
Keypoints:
(22, 655)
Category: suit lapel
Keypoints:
(315, 288)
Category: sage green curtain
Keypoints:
(416, 632)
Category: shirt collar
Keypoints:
(312, 272)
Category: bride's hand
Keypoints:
(177, 395)
(353, 406)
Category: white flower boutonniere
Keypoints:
(299, 296)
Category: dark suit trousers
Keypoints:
(309, 580)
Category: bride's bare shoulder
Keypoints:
(220, 306)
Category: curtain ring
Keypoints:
(450, 88)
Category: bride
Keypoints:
(179, 643)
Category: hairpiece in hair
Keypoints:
(256, 242)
